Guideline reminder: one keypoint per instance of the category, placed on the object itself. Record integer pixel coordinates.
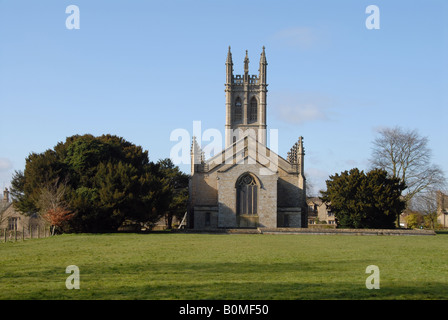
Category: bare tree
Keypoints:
(53, 205)
(405, 154)
(426, 204)
(310, 188)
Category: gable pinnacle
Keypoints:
(297, 152)
(301, 148)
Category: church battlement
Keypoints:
(246, 99)
(239, 79)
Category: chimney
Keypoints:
(6, 195)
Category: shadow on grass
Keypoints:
(223, 281)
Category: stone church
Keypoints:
(247, 185)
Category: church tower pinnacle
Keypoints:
(246, 65)
(245, 101)
(229, 67)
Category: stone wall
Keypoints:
(289, 217)
(280, 193)
(389, 232)
(267, 196)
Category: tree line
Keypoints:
(402, 177)
(95, 184)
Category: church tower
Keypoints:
(245, 101)
(246, 185)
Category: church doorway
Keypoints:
(247, 201)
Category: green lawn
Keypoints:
(201, 266)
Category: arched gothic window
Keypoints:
(246, 195)
(238, 112)
(253, 109)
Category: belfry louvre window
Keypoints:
(247, 195)
(238, 112)
(253, 110)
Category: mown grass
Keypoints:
(204, 266)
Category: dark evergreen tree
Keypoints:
(108, 180)
(360, 200)
(175, 184)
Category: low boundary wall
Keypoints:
(323, 231)
(359, 232)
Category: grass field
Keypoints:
(203, 266)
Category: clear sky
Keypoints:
(141, 69)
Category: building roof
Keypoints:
(244, 150)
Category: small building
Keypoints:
(12, 220)
(442, 209)
(318, 212)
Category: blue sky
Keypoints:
(141, 69)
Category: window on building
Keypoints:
(238, 112)
(247, 195)
(207, 219)
(253, 109)
(12, 223)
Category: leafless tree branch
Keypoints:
(405, 154)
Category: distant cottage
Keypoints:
(319, 213)
(12, 220)
(247, 185)
(442, 209)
